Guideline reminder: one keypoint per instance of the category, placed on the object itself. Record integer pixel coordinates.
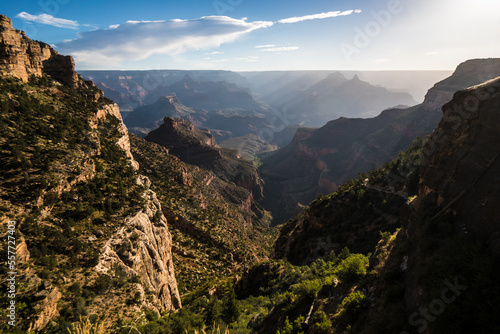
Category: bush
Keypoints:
(352, 267)
(322, 323)
(308, 288)
(354, 304)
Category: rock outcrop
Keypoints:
(198, 147)
(470, 73)
(23, 57)
(182, 139)
(47, 307)
(142, 248)
(461, 168)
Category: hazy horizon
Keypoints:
(240, 35)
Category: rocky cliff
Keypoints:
(142, 248)
(460, 171)
(217, 226)
(71, 183)
(469, 73)
(23, 57)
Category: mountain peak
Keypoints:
(355, 78)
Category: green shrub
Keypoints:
(352, 267)
(354, 304)
(308, 288)
(322, 323)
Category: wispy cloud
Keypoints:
(214, 53)
(319, 16)
(137, 40)
(282, 48)
(265, 46)
(49, 20)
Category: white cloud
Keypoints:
(214, 53)
(137, 40)
(49, 20)
(282, 48)
(319, 16)
(265, 46)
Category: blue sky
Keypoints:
(264, 35)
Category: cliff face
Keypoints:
(142, 248)
(23, 57)
(85, 208)
(470, 73)
(461, 170)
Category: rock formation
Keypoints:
(23, 57)
(47, 308)
(142, 248)
(182, 139)
(461, 168)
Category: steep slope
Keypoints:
(354, 215)
(345, 147)
(91, 235)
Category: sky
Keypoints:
(258, 35)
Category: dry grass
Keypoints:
(86, 327)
